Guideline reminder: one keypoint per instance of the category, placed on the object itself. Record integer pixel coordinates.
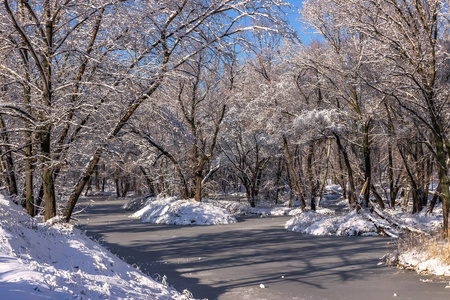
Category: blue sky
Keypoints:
(293, 19)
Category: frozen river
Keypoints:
(232, 261)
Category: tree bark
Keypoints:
(293, 173)
(351, 193)
(198, 186)
(367, 163)
(277, 185)
(325, 173)
(311, 177)
(10, 170)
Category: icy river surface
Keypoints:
(255, 259)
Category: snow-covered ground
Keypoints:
(182, 212)
(57, 261)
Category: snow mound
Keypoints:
(234, 207)
(183, 212)
(244, 208)
(319, 210)
(422, 264)
(322, 223)
(421, 259)
(136, 203)
(57, 261)
(429, 222)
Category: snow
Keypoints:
(57, 261)
(182, 212)
(421, 263)
(420, 259)
(322, 223)
(422, 220)
(135, 203)
(244, 208)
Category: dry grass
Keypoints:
(432, 247)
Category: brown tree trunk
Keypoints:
(342, 181)
(416, 192)
(116, 182)
(367, 163)
(443, 175)
(10, 170)
(351, 193)
(279, 172)
(377, 196)
(311, 177)
(198, 186)
(293, 173)
(433, 201)
(392, 192)
(325, 173)
(97, 179)
(150, 186)
(126, 185)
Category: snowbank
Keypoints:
(423, 221)
(182, 212)
(424, 254)
(136, 203)
(244, 208)
(323, 223)
(44, 261)
(422, 263)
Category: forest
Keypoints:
(194, 98)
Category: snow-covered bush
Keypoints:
(183, 212)
(316, 223)
(136, 203)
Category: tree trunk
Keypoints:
(88, 187)
(434, 199)
(279, 172)
(49, 193)
(342, 180)
(198, 186)
(29, 193)
(392, 192)
(126, 185)
(325, 173)
(116, 182)
(293, 174)
(148, 181)
(4, 171)
(416, 192)
(351, 193)
(10, 170)
(443, 176)
(311, 178)
(377, 196)
(367, 163)
(97, 179)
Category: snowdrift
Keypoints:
(324, 223)
(182, 212)
(57, 261)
